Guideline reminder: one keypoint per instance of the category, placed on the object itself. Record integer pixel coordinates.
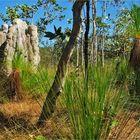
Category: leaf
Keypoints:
(50, 35)
(40, 137)
(114, 123)
(68, 33)
(55, 29)
(58, 31)
(62, 36)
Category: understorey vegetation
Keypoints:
(87, 84)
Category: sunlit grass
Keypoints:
(35, 82)
(92, 112)
(135, 15)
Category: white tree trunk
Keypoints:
(77, 52)
(81, 43)
(103, 40)
(94, 36)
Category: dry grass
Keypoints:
(17, 122)
(28, 109)
(18, 119)
(128, 127)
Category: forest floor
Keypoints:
(18, 119)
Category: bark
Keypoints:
(55, 90)
(86, 39)
(135, 63)
(135, 55)
(81, 43)
(78, 47)
(77, 53)
(94, 36)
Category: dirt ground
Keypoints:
(18, 119)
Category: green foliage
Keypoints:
(58, 33)
(19, 11)
(135, 15)
(114, 123)
(41, 2)
(92, 112)
(37, 83)
(40, 137)
(122, 71)
(34, 82)
(55, 11)
(50, 35)
(123, 32)
(125, 76)
(128, 22)
(12, 13)
(27, 11)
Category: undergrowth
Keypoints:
(91, 110)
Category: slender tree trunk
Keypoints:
(86, 40)
(102, 51)
(80, 54)
(82, 40)
(77, 52)
(55, 90)
(103, 40)
(94, 35)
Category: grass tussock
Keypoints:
(97, 112)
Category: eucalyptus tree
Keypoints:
(57, 86)
(82, 43)
(124, 32)
(51, 11)
(23, 11)
(103, 36)
(11, 14)
(26, 11)
(127, 30)
(86, 41)
(79, 45)
(60, 39)
(94, 34)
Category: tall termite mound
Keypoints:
(135, 55)
(135, 63)
(18, 39)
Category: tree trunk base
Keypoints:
(47, 111)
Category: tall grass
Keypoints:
(135, 15)
(92, 112)
(34, 82)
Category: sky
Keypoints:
(65, 3)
